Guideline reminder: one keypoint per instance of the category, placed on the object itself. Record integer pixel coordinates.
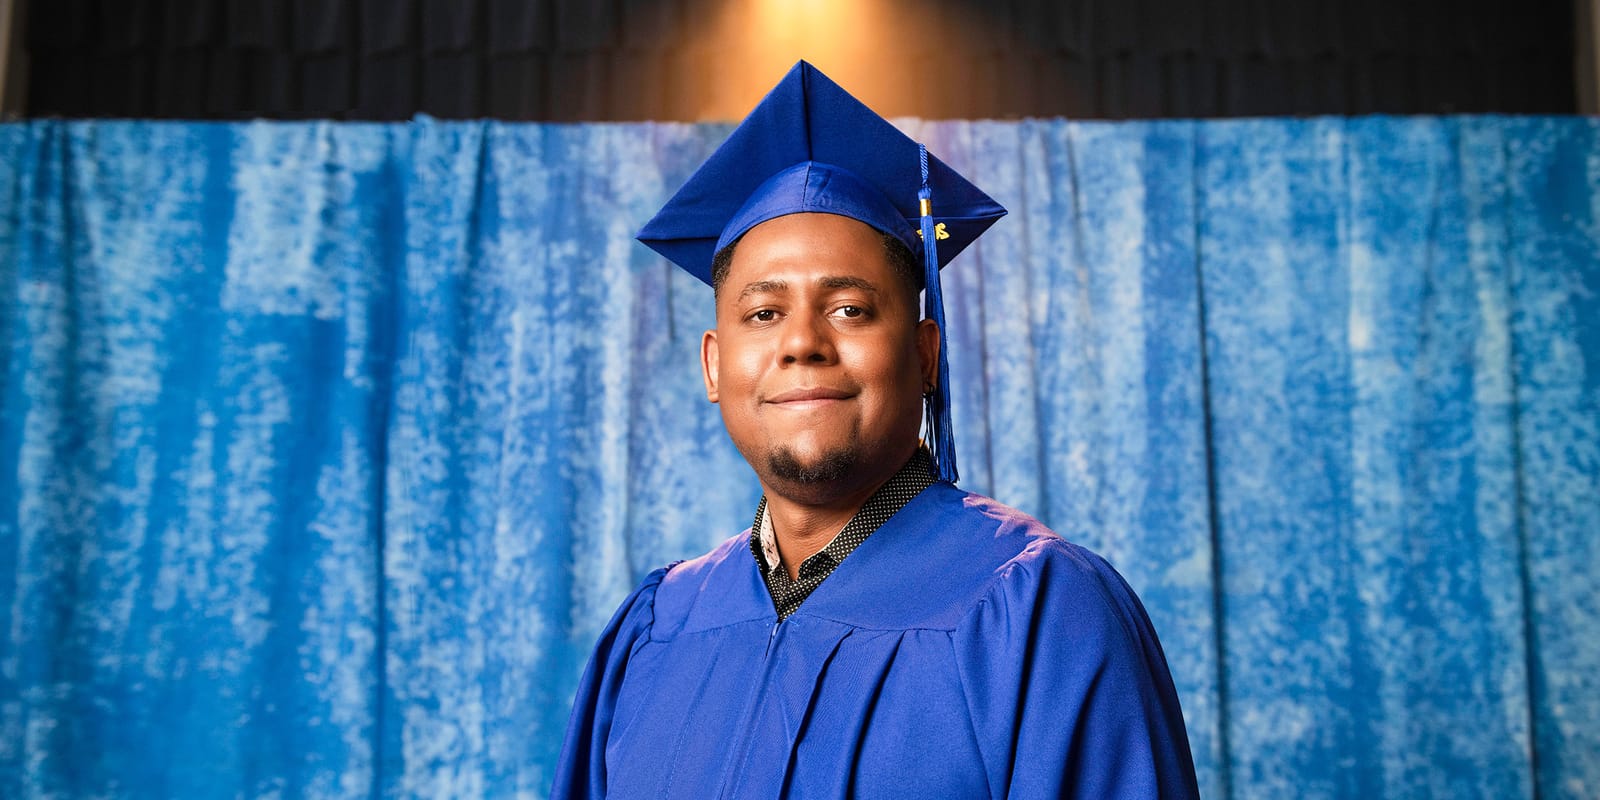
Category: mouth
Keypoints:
(808, 397)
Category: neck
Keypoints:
(803, 529)
(805, 520)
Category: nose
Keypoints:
(807, 339)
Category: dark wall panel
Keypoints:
(670, 59)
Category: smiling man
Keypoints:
(877, 632)
(819, 365)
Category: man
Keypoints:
(878, 632)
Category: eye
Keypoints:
(763, 315)
(851, 312)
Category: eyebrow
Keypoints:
(763, 287)
(847, 282)
(829, 282)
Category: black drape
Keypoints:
(655, 59)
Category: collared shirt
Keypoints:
(788, 594)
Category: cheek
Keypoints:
(896, 364)
(738, 369)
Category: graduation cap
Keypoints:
(810, 146)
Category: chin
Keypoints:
(827, 467)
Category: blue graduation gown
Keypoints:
(963, 650)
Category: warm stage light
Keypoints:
(892, 54)
(844, 38)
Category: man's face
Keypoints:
(818, 360)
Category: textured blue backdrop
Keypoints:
(327, 448)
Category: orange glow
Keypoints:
(865, 45)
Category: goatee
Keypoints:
(834, 466)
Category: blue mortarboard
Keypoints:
(810, 146)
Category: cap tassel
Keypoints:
(937, 401)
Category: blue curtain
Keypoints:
(327, 448)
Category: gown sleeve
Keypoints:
(1067, 686)
(581, 770)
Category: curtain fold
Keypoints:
(329, 447)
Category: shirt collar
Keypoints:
(914, 476)
(769, 540)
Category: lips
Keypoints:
(808, 395)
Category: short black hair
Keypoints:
(904, 263)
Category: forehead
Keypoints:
(809, 245)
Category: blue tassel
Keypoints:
(938, 402)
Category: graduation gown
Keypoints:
(962, 650)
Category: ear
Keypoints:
(928, 343)
(708, 362)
